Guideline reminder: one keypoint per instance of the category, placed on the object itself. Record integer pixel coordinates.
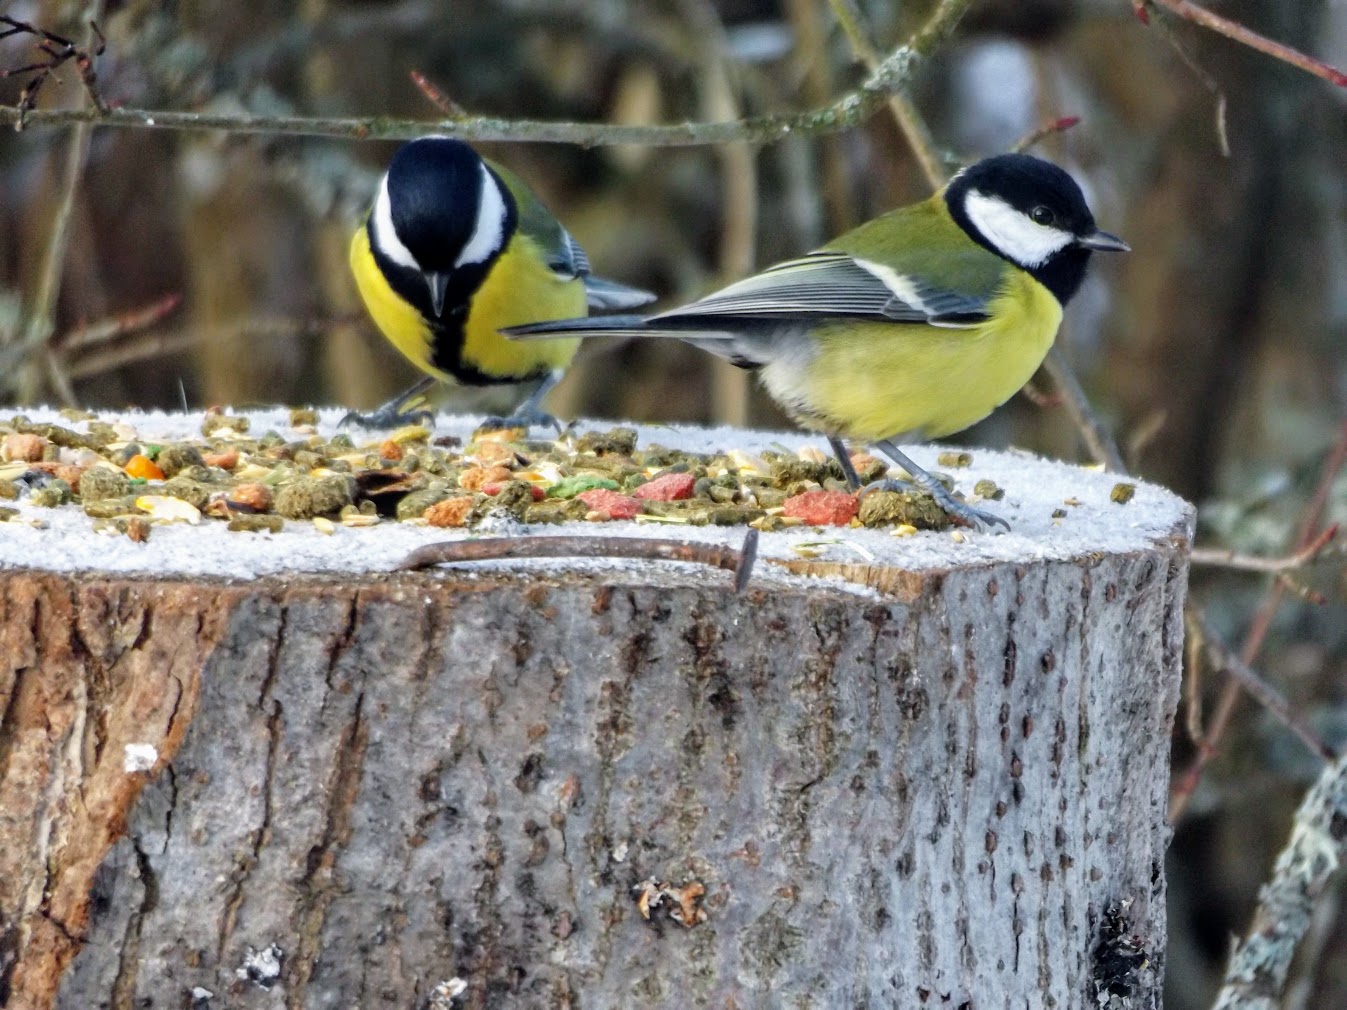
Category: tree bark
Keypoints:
(379, 791)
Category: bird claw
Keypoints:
(965, 515)
(983, 522)
(390, 415)
(890, 484)
(521, 419)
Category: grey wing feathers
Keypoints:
(820, 285)
(608, 326)
(600, 292)
(579, 261)
(613, 326)
(834, 284)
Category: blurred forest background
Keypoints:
(212, 267)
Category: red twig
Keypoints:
(1234, 30)
(438, 98)
(1044, 399)
(1306, 536)
(1043, 132)
(119, 325)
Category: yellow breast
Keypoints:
(518, 289)
(870, 381)
(521, 289)
(398, 320)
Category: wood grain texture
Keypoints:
(921, 801)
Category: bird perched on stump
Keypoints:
(917, 324)
(456, 248)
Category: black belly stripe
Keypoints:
(449, 332)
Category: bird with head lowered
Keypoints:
(455, 249)
(916, 324)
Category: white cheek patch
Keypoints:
(1014, 234)
(488, 234)
(385, 238)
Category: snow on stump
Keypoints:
(266, 769)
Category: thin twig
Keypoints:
(1205, 79)
(437, 96)
(850, 109)
(738, 560)
(1234, 30)
(1311, 517)
(1044, 399)
(1257, 972)
(117, 326)
(1256, 685)
(1042, 133)
(59, 51)
(909, 120)
(814, 69)
(157, 345)
(1192, 684)
(59, 379)
(1098, 440)
(42, 309)
(1142, 434)
(1214, 558)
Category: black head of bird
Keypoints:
(1033, 214)
(440, 210)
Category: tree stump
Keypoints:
(936, 779)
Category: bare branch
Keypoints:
(59, 51)
(1214, 558)
(1205, 79)
(93, 360)
(1100, 443)
(1234, 30)
(738, 190)
(1257, 972)
(41, 315)
(1186, 782)
(904, 112)
(119, 325)
(1256, 685)
(855, 106)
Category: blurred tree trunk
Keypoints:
(1228, 290)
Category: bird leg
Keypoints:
(528, 414)
(965, 514)
(405, 408)
(843, 457)
(853, 478)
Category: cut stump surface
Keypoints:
(305, 780)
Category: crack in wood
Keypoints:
(124, 985)
(318, 886)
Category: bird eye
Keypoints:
(1043, 215)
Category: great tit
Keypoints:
(914, 325)
(454, 249)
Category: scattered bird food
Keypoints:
(256, 481)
